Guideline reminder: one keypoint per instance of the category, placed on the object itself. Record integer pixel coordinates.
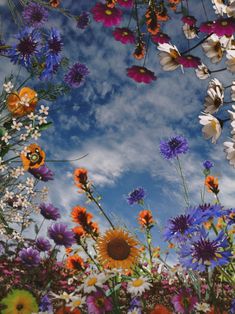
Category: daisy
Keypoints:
(215, 96)
(219, 7)
(202, 72)
(93, 281)
(230, 55)
(138, 285)
(230, 151)
(168, 57)
(230, 10)
(211, 127)
(202, 307)
(213, 49)
(63, 296)
(76, 301)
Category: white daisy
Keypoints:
(212, 47)
(202, 307)
(230, 10)
(202, 72)
(138, 285)
(63, 296)
(93, 281)
(8, 87)
(168, 56)
(219, 7)
(230, 151)
(215, 96)
(77, 301)
(211, 127)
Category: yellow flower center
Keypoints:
(213, 124)
(108, 12)
(142, 70)
(92, 281)
(125, 33)
(77, 303)
(137, 282)
(189, 57)
(224, 23)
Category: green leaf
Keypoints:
(36, 229)
(45, 126)
(4, 150)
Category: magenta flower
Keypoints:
(224, 27)
(141, 74)
(61, 236)
(124, 35)
(206, 27)
(98, 303)
(29, 256)
(184, 301)
(108, 16)
(189, 61)
(160, 38)
(125, 3)
(190, 20)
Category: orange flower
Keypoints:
(152, 21)
(212, 184)
(171, 245)
(22, 103)
(68, 250)
(161, 309)
(111, 3)
(75, 262)
(94, 228)
(34, 157)
(67, 310)
(79, 232)
(174, 1)
(208, 224)
(54, 3)
(139, 51)
(80, 215)
(80, 177)
(145, 218)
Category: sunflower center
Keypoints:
(108, 12)
(19, 307)
(138, 282)
(118, 249)
(27, 46)
(92, 281)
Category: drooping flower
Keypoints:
(190, 32)
(19, 301)
(212, 184)
(160, 38)
(137, 286)
(173, 147)
(152, 19)
(211, 127)
(61, 236)
(117, 249)
(229, 148)
(146, 218)
(124, 35)
(29, 256)
(202, 72)
(76, 75)
(99, 303)
(190, 20)
(141, 74)
(43, 244)
(213, 49)
(75, 262)
(184, 301)
(224, 27)
(207, 164)
(139, 51)
(161, 309)
(83, 20)
(35, 15)
(33, 157)
(189, 61)
(80, 177)
(168, 56)
(42, 173)
(215, 96)
(49, 211)
(136, 196)
(206, 27)
(94, 281)
(125, 3)
(106, 15)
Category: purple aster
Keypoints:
(48, 211)
(42, 173)
(83, 20)
(207, 164)
(29, 256)
(28, 46)
(136, 196)
(45, 304)
(61, 236)
(76, 75)
(43, 244)
(173, 147)
(35, 15)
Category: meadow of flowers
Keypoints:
(83, 269)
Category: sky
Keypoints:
(120, 123)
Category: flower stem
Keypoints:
(186, 197)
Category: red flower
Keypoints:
(106, 15)
(141, 74)
(125, 3)
(160, 38)
(161, 309)
(189, 61)
(224, 27)
(124, 35)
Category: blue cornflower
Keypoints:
(83, 20)
(28, 47)
(45, 304)
(76, 75)
(231, 216)
(136, 196)
(173, 147)
(35, 15)
(232, 309)
(202, 252)
(205, 212)
(136, 305)
(207, 164)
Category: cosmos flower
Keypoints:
(76, 75)
(99, 303)
(207, 164)
(173, 147)
(29, 256)
(190, 20)
(61, 236)
(141, 74)
(229, 148)
(35, 15)
(224, 27)
(42, 173)
(184, 301)
(137, 286)
(83, 20)
(215, 97)
(146, 218)
(202, 72)
(160, 38)
(207, 27)
(108, 16)
(136, 196)
(19, 300)
(230, 9)
(160, 309)
(124, 35)
(190, 32)
(125, 3)
(230, 55)
(211, 127)
(189, 61)
(49, 212)
(43, 244)
(212, 48)
(168, 56)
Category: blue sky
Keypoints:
(120, 123)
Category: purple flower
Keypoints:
(61, 236)
(83, 20)
(76, 75)
(232, 309)
(206, 212)
(98, 303)
(207, 164)
(184, 301)
(48, 211)
(42, 173)
(173, 147)
(30, 256)
(45, 304)
(136, 196)
(43, 244)
(35, 15)
(136, 305)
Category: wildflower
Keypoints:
(151, 16)
(19, 301)
(206, 212)
(224, 27)
(98, 303)
(44, 110)
(6, 137)
(61, 236)
(215, 97)
(93, 281)
(139, 50)
(202, 72)
(45, 304)
(213, 49)
(168, 56)
(77, 301)
(80, 216)
(137, 286)
(42, 173)
(230, 152)
(190, 32)
(184, 301)
(211, 127)
(75, 262)
(190, 20)
(63, 296)
(76, 75)
(212, 184)
(160, 38)
(108, 16)
(49, 212)
(126, 3)
(136, 196)
(78, 234)
(35, 15)
(117, 249)
(231, 61)
(66, 309)
(174, 147)
(16, 125)
(43, 244)
(83, 20)
(202, 307)
(29, 256)
(34, 157)
(8, 87)
(179, 228)
(141, 74)
(54, 3)
(124, 35)
(206, 27)
(160, 309)
(189, 61)
(146, 219)
(207, 164)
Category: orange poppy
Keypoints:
(33, 158)
(22, 103)
(212, 184)
(54, 3)
(145, 218)
(80, 215)
(161, 309)
(67, 310)
(75, 262)
(80, 177)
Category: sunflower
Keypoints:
(34, 157)
(19, 302)
(117, 249)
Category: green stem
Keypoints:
(186, 197)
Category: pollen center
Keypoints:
(224, 23)
(92, 281)
(118, 249)
(108, 12)
(137, 282)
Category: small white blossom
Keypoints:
(44, 110)
(202, 307)
(16, 125)
(32, 116)
(23, 137)
(42, 120)
(8, 87)
(211, 127)
(6, 137)
(25, 151)
(29, 128)
(30, 182)
(24, 100)
(36, 134)
(202, 72)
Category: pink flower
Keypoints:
(107, 16)
(141, 74)
(98, 303)
(207, 27)
(125, 3)
(124, 35)
(190, 20)
(189, 61)
(184, 302)
(160, 38)
(223, 27)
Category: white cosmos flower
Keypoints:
(212, 47)
(215, 96)
(230, 55)
(93, 281)
(202, 307)
(219, 7)
(77, 301)
(229, 148)
(138, 285)
(230, 10)
(233, 92)
(190, 32)
(211, 127)
(168, 56)
(202, 72)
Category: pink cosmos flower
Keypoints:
(141, 74)
(125, 3)
(225, 27)
(189, 61)
(124, 35)
(184, 302)
(190, 20)
(108, 16)
(98, 303)
(207, 27)
(160, 38)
